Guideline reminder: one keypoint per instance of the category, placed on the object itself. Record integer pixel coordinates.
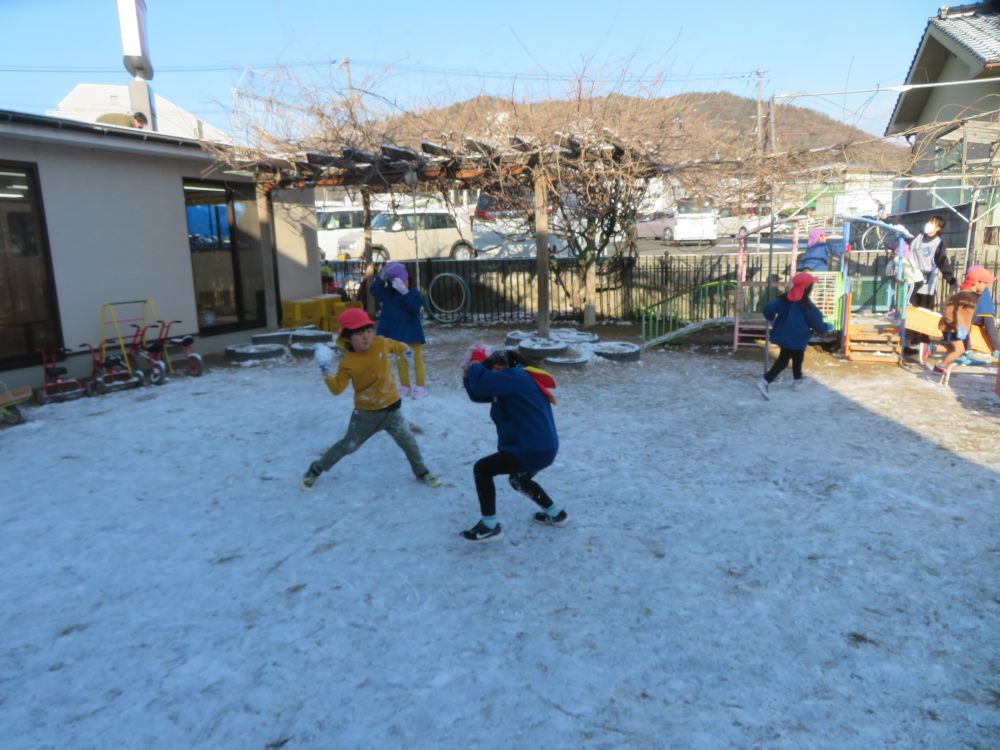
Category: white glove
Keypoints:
(400, 286)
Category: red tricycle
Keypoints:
(110, 372)
(55, 388)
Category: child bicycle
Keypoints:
(191, 359)
(110, 373)
(147, 355)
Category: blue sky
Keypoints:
(436, 52)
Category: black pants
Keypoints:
(795, 356)
(520, 479)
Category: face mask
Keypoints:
(930, 228)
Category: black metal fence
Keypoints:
(506, 291)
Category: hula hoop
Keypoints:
(437, 309)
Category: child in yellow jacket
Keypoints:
(366, 366)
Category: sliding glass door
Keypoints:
(224, 238)
(28, 319)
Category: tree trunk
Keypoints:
(542, 252)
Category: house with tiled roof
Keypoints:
(949, 112)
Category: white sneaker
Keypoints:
(418, 392)
(797, 384)
(763, 388)
(403, 391)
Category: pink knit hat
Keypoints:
(814, 235)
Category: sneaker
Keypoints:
(429, 479)
(939, 369)
(404, 391)
(418, 391)
(311, 475)
(963, 360)
(483, 533)
(763, 388)
(559, 519)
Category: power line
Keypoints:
(405, 67)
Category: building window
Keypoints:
(224, 238)
(28, 318)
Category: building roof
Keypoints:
(88, 101)
(969, 32)
(974, 27)
(42, 128)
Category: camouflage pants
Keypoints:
(363, 425)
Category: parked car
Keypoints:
(732, 222)
(688, 223)
(500, 228)
(406, 234)
(334, 223)
(655, 226)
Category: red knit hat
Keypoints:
(354, 318)
(800, 282)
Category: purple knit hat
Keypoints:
(395, 271)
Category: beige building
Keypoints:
(93, 214)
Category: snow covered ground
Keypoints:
(818, 571)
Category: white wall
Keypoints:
(297, 250)
(117, 231)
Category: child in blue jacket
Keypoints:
(399, 319)
(793, 317)
(819, 250)
(527, 441)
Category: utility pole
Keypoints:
(759, 129)
(771, 128)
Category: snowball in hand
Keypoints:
(323, 356)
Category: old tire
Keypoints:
(577, 361)
(573, 336)
(618, 351)
(255, 352)
(272, 337)
(516, 337)
(302, 350)
(311, 336)
(541, 348)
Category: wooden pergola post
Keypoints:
(267, 257)
(542, 250)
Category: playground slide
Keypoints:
(926, 321)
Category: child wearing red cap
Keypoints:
(365, 365)
(958, 313)
(793, 318)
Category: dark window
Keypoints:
(223, 232)
(28, 319)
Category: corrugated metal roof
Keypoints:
(977, 31)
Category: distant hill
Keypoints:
(686, 126)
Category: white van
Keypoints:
(405, 234)
(333, 223)
(693, 223)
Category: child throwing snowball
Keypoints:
(365, 365)
(527, 441)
